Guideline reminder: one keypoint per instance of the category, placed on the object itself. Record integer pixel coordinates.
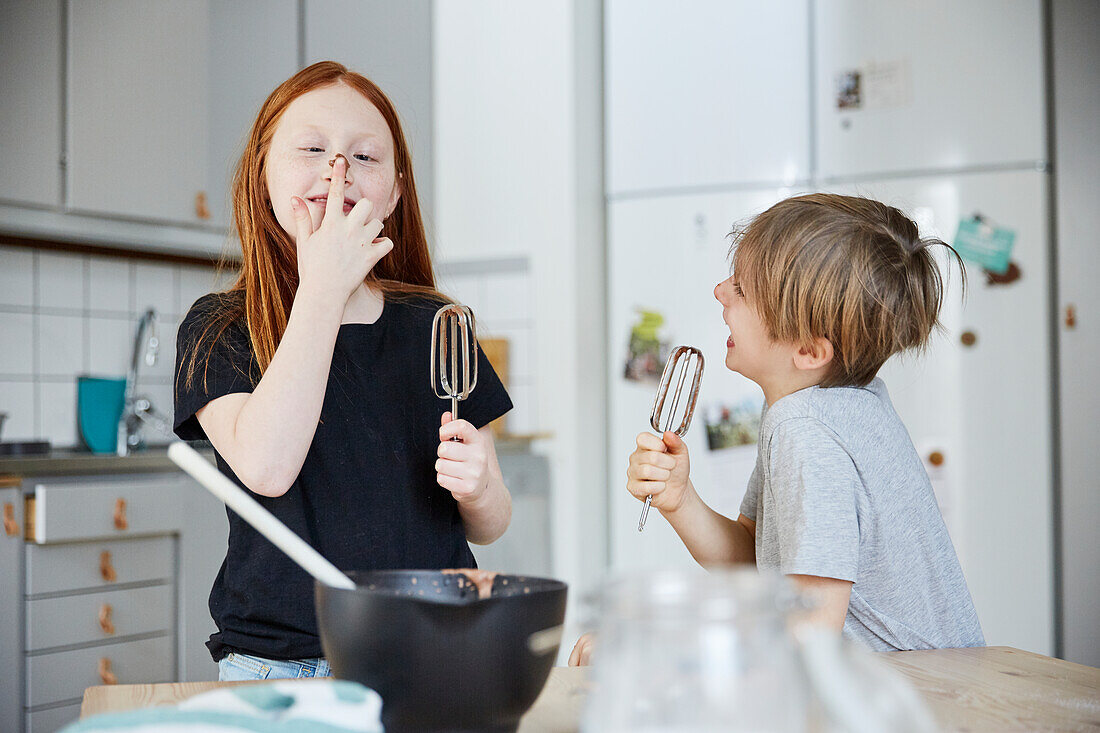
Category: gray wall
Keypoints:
(1076, 157)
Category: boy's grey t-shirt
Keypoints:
(839, 492)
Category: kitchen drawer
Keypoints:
(52, 719)
(98, 616)
(65, 675)
(66, 512)
(98, 564)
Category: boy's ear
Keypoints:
(814, 355)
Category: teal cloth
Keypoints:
(280, 706)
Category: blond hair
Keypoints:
(851, 270)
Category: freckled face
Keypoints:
(749, 349)
(316, 127)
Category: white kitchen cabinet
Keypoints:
(11, 604)
(941, 85)
(966, 402)
(391, 44)
(254, 48)
(111, 576)
(30, 102)
(159, 100)
(704, 94)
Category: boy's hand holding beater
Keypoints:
(659, 467)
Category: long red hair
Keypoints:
(268, 281)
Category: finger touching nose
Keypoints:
(347, 168)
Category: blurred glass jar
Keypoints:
(697, 652)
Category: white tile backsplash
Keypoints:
(522, 418)
(109, 285)
(166, 354)
(466, 289)
(111, 343)
(61, 280)
(57, 413)
(194, 282)
(507, 296)
(16, 276)
(155, 287)
(17, 344)
(65, 314)
(60, 345)
(160, 396)
(17, 400)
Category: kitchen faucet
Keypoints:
(137, 410)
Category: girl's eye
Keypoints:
(363, 157)
(313, 149)
(737, 289)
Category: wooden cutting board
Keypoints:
(496, 351)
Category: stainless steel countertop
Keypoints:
(73, 462)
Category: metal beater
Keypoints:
(454, 354)
(682, 361)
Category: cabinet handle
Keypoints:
(106, 569)
(202, 209)
(968, 338)
(105, 621)
(936, 458)
(120, 514)
(1071, 316)
(11, 527)
(105, 674)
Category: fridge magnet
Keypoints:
(848, 89)
(1011, 275)
(979, 241)
(646, 351)
(886, 84)
(730, 426)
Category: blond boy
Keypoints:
(825, 288)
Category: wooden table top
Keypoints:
(971, 690)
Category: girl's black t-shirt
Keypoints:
(366, 497)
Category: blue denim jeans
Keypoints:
(234, 667)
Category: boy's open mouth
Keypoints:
(729, 342)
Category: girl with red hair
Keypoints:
(309, 375)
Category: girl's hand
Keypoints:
(462, 468)
(337, 257)
(581, 656)
(659, 467)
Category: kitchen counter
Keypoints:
(980, 689)
(74, 462)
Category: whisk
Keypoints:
(454, 354)
(683, 360)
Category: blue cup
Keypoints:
(99, 402)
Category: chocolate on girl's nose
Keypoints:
(332, 163)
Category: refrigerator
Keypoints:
(935, 107)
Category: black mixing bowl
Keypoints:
(441, 658)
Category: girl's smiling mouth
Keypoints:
(323, 201)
